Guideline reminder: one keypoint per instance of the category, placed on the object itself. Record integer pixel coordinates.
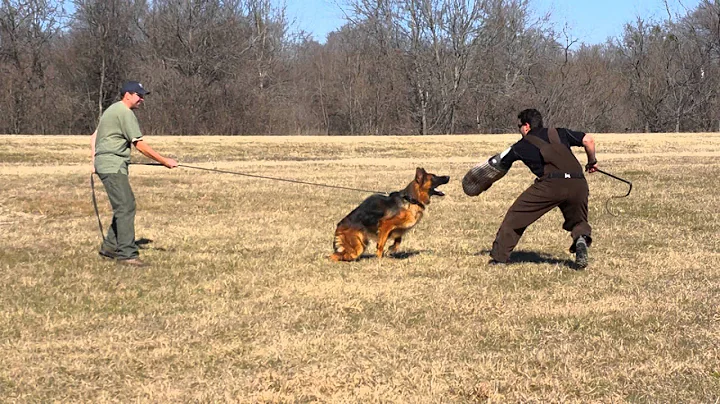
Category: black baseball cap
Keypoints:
(134, 87)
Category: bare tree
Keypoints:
(26, 30)
(101, 53)
(641, 47)
(499, 72)
(701, 27)
(226, 54)
(396, 66)
(435, 39)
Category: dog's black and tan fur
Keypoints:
(384, 217)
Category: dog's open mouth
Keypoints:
(437, 181)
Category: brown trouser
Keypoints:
(570, 195)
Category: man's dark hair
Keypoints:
(531, 116)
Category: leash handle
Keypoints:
(619, 179)
(607, 203)
(613, 176)
(95, 205)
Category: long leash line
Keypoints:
(267, 178)
(102, 233)
(97, 212)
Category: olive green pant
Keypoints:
(120, 237)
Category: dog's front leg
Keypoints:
(383, 232)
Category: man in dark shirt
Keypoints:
(560, 183)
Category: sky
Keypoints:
(589, 21)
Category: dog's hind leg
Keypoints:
(349, 244)
(397, 237)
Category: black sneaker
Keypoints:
(581, 253)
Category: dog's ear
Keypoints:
(420, 175)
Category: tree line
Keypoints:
(233, 67)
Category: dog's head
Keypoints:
(425, 185)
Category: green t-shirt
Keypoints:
(117, 131)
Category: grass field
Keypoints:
(241, 304)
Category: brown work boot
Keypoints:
(107, 254)
(132, 262)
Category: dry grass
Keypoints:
(241, 304)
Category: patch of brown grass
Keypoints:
(242, 304)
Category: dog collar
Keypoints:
(414, 201)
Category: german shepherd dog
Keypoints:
(383, 217)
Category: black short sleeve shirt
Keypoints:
(530, 155)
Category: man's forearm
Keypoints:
(148, 152)
(589, 145)
(590, 151)
(93, 137)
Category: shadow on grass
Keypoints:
(517, 257)
(402, 255)
(144, 244)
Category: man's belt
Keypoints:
(560, 174)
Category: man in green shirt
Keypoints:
(117, 130)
